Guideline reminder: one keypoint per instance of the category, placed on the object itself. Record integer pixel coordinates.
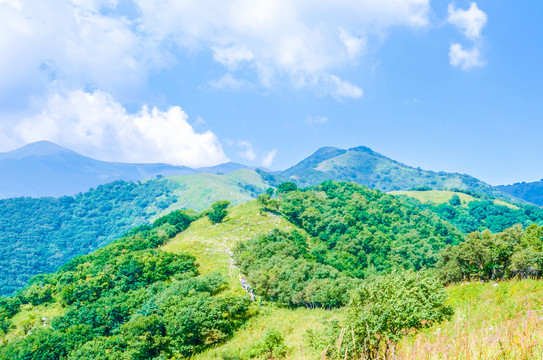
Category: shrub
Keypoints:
(384, 309)
(218, 211)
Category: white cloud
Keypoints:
(74, 43)
(465, 59)
(232, 56)
(247, 150)
(96, 125)
(229, 82)
(470, 21)
(342, 89)
(300, 40)
(267, 160)
(314, 120)
(79, 44)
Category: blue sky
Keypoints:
(453, 86)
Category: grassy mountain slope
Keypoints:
(199, 191)
(365, 166)
(474, 213)
(39, 235)
(494, 320)
(531, 192)
(492, 314)
(444, 196)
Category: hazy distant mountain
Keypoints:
(531, 192)
(365, 166)
(46, 169)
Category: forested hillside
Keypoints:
(128, 300)
(474, 212)
(39, 235)
(319, 264)
(367, 167)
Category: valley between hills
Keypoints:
(346, 255)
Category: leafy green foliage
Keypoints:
(286, 187)
(218, 211)
(354, 232)
(380, 312)
(513, 252)
(485, 214)
(129, 300)
(280, 268)
(39, 235)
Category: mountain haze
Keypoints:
(46, 169)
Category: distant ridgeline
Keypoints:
(532, 191)
(364, 166)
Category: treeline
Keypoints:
(38, 235)
(487, 256)
(348, 232)
(128, 300)
(483, 214)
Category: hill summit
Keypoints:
(367, 167)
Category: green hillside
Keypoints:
(364, 166)
(474, 212)
(38, 235)
(171, 290)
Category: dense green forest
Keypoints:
(38, 235)
(382, 259)
(354, 233)
(128, 300)
(483, 213)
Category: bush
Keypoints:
(218, 211)
(384, 309)
(286, 187)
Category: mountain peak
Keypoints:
(38, 148)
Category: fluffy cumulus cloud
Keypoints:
(88, 43)
(72, 42)
(470, 22)
(304, 41)
(96, 125)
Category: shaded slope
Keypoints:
(531, 192)
(367, 167)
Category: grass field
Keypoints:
(199, 191)
(442, 196)
(501, 320)
(212, 245)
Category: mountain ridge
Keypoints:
(368, 167)
(44, 168)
